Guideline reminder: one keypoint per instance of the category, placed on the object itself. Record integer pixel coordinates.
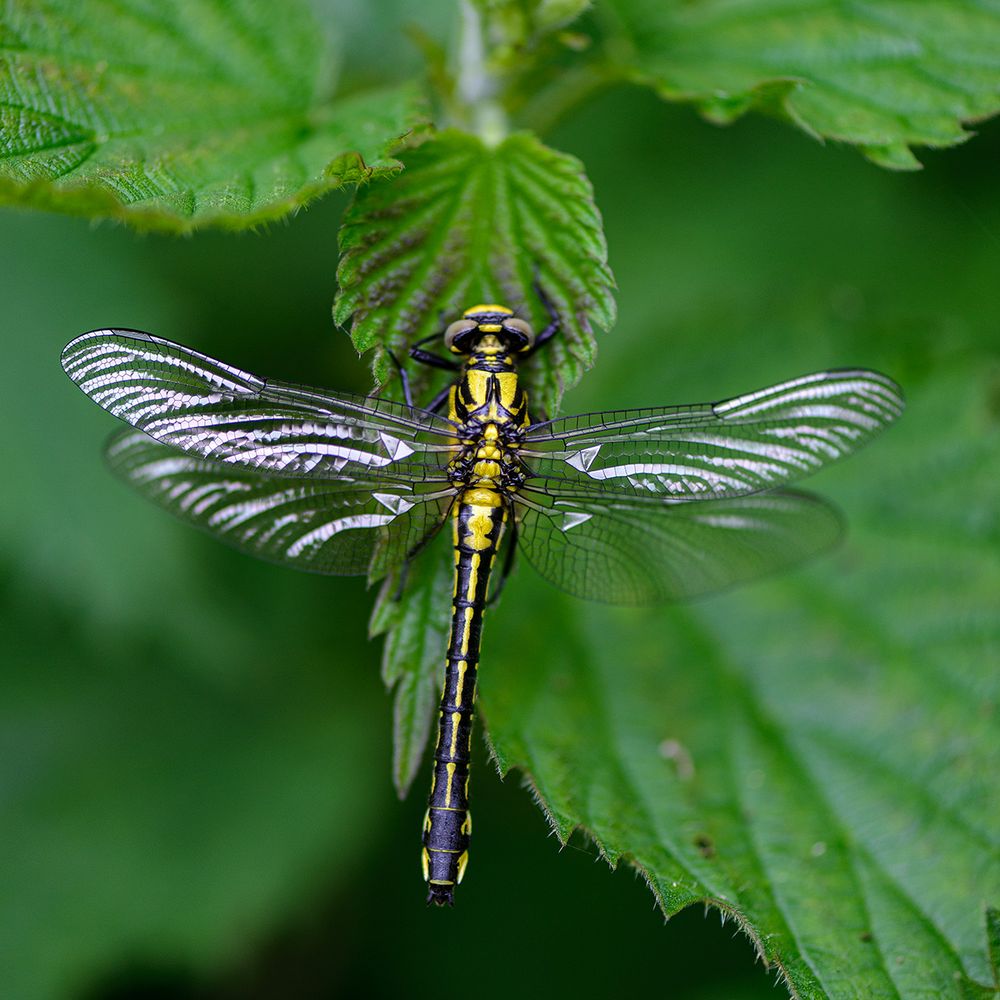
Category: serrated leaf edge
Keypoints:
(83, 199)
(897, 156)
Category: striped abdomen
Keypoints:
(478, 526)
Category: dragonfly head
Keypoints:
(507, 331)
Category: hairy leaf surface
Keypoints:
(814, 756)
(466, 224)
(181, 115)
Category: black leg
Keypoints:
(508, 562)
(434, 405)
(438, 401)
(555, 323)
(427, 340)
(439, 336)
(432, 360)
(404, 379)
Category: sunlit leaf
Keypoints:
(817, 756)
(882, 76)
(183, 114)
(465, 224)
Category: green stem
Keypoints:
(478, 86)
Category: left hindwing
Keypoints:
(343, 528)
(712, 451)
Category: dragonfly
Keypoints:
(633, 506)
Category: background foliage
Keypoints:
(197, 748)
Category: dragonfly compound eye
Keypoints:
(456, 337)
(522, 336)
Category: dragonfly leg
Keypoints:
(439, 335)
(429, 358)
(508, 562)
(432, 360)
(435, 404)
(404, 379)
(439, 400)
(555, 322)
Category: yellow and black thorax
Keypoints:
(488, 402)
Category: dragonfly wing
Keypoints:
(206, 408)
(342, 528)
(755, 442)
(627, 551)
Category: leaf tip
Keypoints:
(892, 156)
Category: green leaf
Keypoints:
(993, 943)
(882, 76)
(815, 756)
(516, 25)
(464, 224)
(181, 115)
(415, 624)
(969, 990)
(552, 14)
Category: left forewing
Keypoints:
(206, 408)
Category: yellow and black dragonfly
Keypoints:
(628, 506)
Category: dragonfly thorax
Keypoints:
(488, 462)
(492, 410)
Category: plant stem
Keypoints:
(478, 85)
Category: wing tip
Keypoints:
(76, 354)
(106, 333)
(889, 393)
(868, 375)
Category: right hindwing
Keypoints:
(625, 550)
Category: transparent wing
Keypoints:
(628, 551)
(713, 450)
(206, 408)
(343, 527)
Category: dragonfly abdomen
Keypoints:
(478, 527)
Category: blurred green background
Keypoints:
(196, 747)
